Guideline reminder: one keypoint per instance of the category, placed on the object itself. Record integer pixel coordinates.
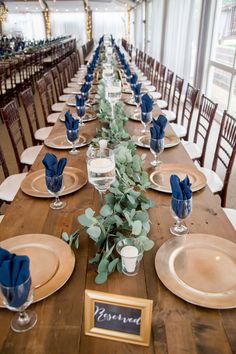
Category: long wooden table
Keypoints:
(177, 326)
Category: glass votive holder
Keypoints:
(131, 252)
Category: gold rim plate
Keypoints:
(200, 269)
(144, 141)
(160, 178)
(52, 261)
(34, 183)
(60, 142)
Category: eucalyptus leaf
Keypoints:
(136, 227)
(112, 265)
(106, 210)
(95, 259)
(94, 232)
(85, 221)
(65, 236)
(103, 265)
(101, 278)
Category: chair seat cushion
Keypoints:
(213, 180)
(170, 115)
(29, 155)
(64, 98)
(70, 90)
(180, 130)
(42, 133)
(53, 117)
(75, 79)
(162, 104)
(58, 107)
(10, 186)
(231, 215)
(73, 84)
(192, 149)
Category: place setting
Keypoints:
(199, 268)
(72, 137)
(84, 111)
(54, 181)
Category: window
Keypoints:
(222, 67)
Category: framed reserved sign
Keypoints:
(118, 317)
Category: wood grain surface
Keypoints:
(177, 326)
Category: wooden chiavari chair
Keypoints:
(49, 116)
(205, 118)
(172, 115)
(164, 103)
(56, 106)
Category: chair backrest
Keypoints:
(225, 151)
(57, 82)
(27, 98)
(14, 127)
(188, 107)
(3, 166)
(50, 86)
(44, 99)
(178, 87)
(156, 73)
(60, 67)
(161, 81)
(168, 86)
(151, 69)
(205, 118)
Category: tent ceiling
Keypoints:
(69, 5)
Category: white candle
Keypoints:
(101, 165)
(103, 143)
(129, 256)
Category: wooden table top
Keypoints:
(177, 326)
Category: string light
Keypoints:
(3, 11)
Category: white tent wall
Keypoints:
(110, 22)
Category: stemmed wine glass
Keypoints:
(18, 298)
(54, 185)
(156, 148)
(137, 100)
(72, 136)
(146, 119)
(101, 169)
(180, 210)
(81, 112)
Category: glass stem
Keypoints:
(101, 198)
(112, 111)
(57, 200)
(23, 318)
(178, 223)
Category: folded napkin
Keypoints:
(90, 70)
(52, 166)
(88, 78)
(137, 89)
(158, 128)
(85, 88)
(181, 191)
(134, 79)
(147, 104)
(14, 271)
(80, 101)
(70, 122)
(128, 72)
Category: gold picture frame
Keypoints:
(113, 325)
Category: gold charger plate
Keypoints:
(130, 102)
(200, 269)
(35, 186)
(160, 178)
(144, 141)
(60, 142)
(51, 261)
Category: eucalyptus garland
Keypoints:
(125, 213)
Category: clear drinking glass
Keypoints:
(146, 119)
(101, 169)
(113, 94)
(80, 112)
(18, 298)
(54, 185)
(180, 210)
(156, 148)
(131, 252)
(72, 136)
(137, 100)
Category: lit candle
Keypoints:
(101, 165)
(129, 256)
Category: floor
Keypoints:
(11, 162)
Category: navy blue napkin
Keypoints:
(85, 87)
(147, 104)
(137, 89)
(14, 271)
(158, 129)
(52, 166)
(80, 101)
(88, 78)
(70, 122)
(134, 79)
(181, 190)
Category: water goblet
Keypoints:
(54, 185)
(72, 136)
(18, 298)
(137, 100)
(146, 119)
(81, 112)
(156, 148)
(113, 94)
(101, 169)
(180, 210)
